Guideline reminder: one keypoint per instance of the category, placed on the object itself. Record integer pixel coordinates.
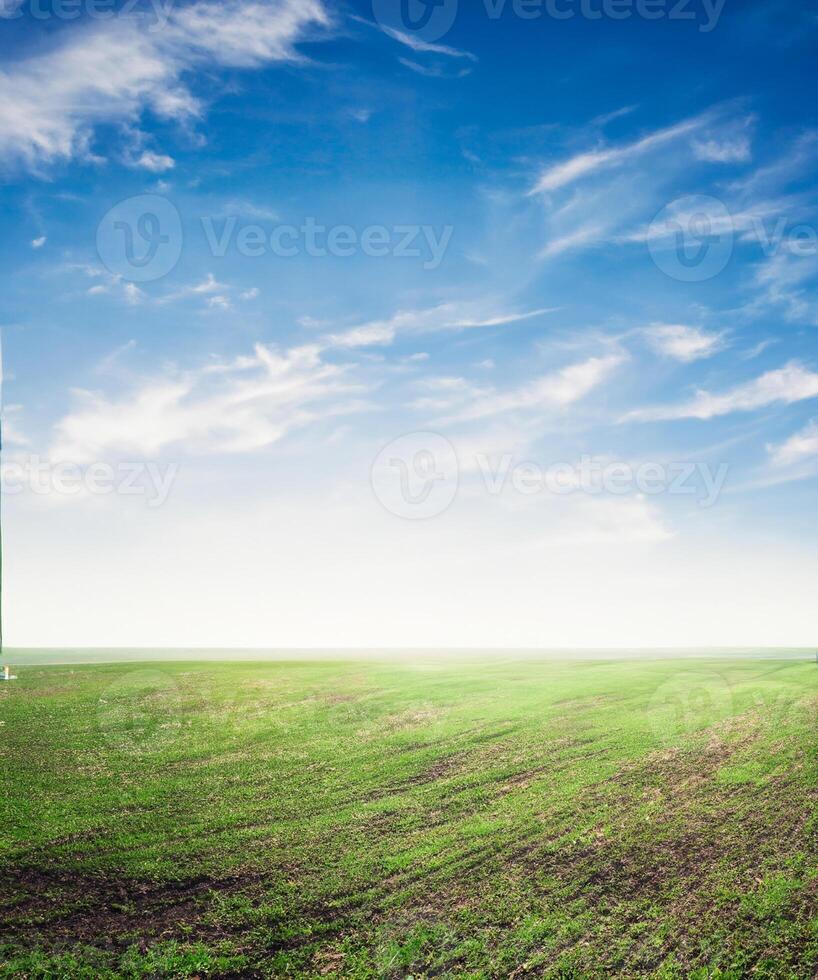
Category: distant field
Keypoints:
(372, 819)
(114, 655)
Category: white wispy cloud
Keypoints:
(588, 234)
(204, 288)
(445, 394)
(240, 406)
(680, 215)
(796, 159)
(729, 143)
(113, 70)
(108, 284)
(611, 194)
(208, 285)
(39, 242)
(219, 303)
(785, 386)
(13, 434)
(111, 361)
(133, 294)
(425, 47)
(608, 117)
(431, 71)
(447, 316)
(800, 448)
(9, 8)
(738, 150)
(584, 164)
(246, 33)
(554, 391)
(238, 207)
(758, 349)
(683, 343)
(156, 163)
(417, 44)
(787, 281)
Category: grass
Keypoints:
(484, 819)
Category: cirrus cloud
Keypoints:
(240, 406)
(786, 386)
(51, 102)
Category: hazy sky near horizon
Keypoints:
(386, 323)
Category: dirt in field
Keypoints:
(57, 906)
(439, 769)
(670, 828)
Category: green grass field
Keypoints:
(374, 819)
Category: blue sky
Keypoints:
(555, 265)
